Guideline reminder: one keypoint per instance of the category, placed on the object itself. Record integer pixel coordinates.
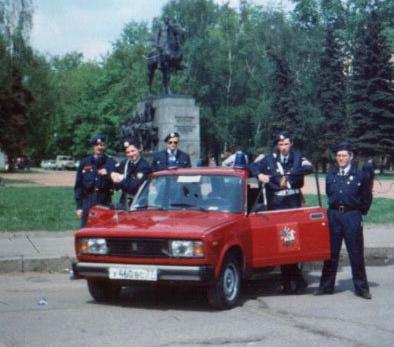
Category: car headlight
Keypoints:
(92, 246)
(187, 248)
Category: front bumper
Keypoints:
(202, 274)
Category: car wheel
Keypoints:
(102, 291)
(225, 293)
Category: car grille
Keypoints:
(127, 247)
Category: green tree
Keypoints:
(284, 109)
(331, 94)
(15, 98)
(14, 103)
(372, 95)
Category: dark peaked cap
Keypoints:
(98, 138)
(283, 135)
(171, 135)
(343, 146)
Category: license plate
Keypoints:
(138, 274)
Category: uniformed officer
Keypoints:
(93, 184)
(349, 193)
(282, 173)
(131, 173)
(171, 157)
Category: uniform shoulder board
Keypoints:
(274, 155)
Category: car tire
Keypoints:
(225, 293)
(103, 291)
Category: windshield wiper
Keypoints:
(188, 206)
(147, 207)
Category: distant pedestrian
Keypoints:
(93, 184)
(349, 193)
(230, 160)
(212, 162)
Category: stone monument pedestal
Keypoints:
(177, 113)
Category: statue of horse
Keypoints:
(167, 55)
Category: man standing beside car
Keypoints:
(282, 173)
(93, 184)
(171, 157)
(349, 193)
(131, 173)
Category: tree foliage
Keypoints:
(372, 94)
(253, 71)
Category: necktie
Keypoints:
(284, 161)
(342, 172)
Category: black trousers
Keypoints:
(345, 226)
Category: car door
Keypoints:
(289, 236)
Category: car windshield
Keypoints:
(191, 192)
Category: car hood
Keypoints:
(160, 224)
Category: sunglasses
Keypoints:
(172, 142)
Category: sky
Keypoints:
(91, 26)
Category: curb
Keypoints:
(376, 256)
(22, 264)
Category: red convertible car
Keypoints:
(204, 226)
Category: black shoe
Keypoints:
(322, 292)
(300, 287)
(364, 294)
(287, 290)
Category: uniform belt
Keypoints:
(343, 208)
(285, 192)
(103, 190)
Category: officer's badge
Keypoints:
(140, 175)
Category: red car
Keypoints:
(202, 226)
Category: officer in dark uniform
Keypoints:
(349, 193)
(93, 184)
(171, 157)
(282, 173)
(131, 173)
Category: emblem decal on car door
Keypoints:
(288, 237)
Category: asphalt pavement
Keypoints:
(51, 251)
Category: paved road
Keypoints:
(182, 317)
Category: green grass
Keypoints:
(381, 211)
(53, 209)
(37, 208)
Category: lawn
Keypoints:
(37, 208)
(53, 208)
